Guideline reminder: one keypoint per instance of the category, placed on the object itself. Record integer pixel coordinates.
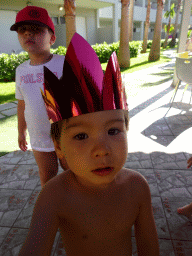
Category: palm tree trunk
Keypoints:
(156, 44)
(131, 10)
(167, 34)
(70, 7)
(176, 23)
(147, 24)
(124, 54)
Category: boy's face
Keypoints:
(35, 39)
(94, 146)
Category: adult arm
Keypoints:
(145, 229)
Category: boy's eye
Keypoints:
(34, 29)
(81, 136)
(113, 131)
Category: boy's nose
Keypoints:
(28, 32)
(101, 150)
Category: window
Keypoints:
(62, 20)
(55, 20)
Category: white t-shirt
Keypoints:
(29, 80)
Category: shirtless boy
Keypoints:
(96, 202)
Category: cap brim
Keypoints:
(15, 26)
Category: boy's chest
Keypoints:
(102, 216)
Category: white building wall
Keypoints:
(8, 39)
(105, 15)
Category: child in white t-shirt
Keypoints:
(36, 34)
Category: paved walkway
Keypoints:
(159, 147)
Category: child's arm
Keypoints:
(22, 126)
(44, 224)
(145, 229)
(189, 162)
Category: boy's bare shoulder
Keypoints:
(128, 175)
(133, 181)
(58, 187)
(61, 181)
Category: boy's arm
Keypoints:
(145, 228)
(44, 224)
(21, 118)
(22, 126)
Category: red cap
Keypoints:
(33, 15)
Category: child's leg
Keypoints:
(48, 165)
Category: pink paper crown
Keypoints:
(83, 88)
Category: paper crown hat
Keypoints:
(83, 88)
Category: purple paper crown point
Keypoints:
(83, 88)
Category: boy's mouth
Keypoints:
(29, 42)
(103, 171)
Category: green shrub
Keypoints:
(135, 48)
(105, 50)
(9, 63)
(149, 43)
(61, 50)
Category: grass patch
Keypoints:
(9, 135)
(7, 92)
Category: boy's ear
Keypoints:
(52, 40)
(58, 149)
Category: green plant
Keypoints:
(149, 43)
(9, 63)
(189, 34)
(61, 50)
(135, 48)
(105, 50)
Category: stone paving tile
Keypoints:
(178, 119)
(164, 140)
(10, 112)
(179, 226)
(3, 233)
(138, 160)
(2, 116)
(5, 170)
(160, 218)
(12, 202)
(7, 106)
(177, 129)
(24, 218)
(13, 157)
(59, 250)
(158, 129)
(174, 183)
(134, 111)
(182, 248)
(21, 177)
(161, 121)
(161, 160)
